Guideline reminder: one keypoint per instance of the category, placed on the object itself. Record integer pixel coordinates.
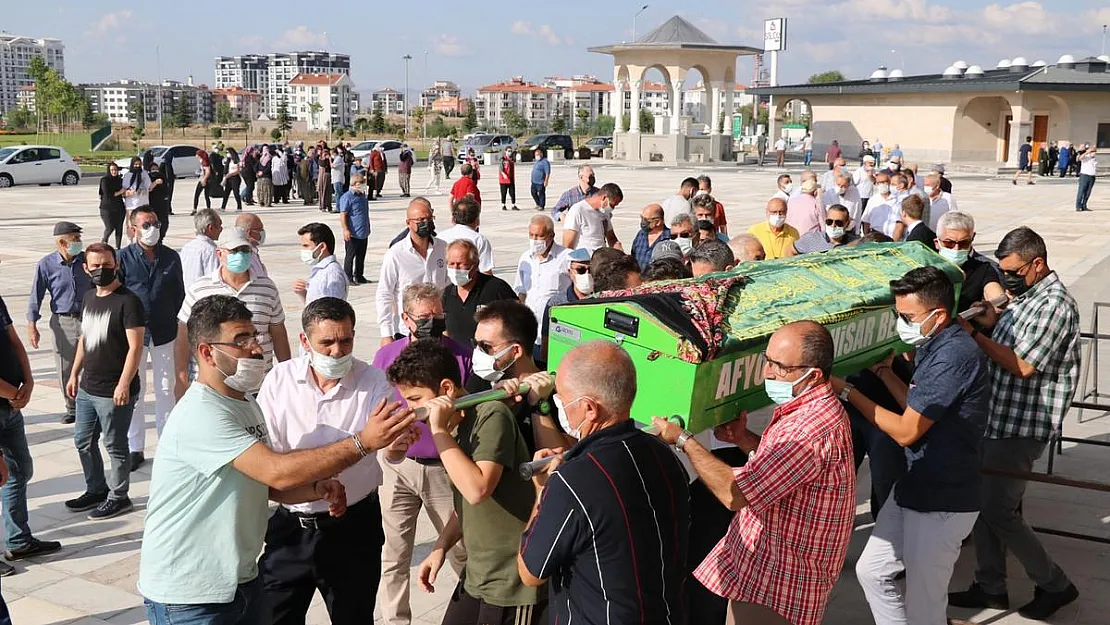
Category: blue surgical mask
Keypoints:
(238, 262)
(782, 391)
(73, 248)
(958, 257)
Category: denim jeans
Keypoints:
(1086, 185)
(249, 607)
(539, 195)
(13, 442)
(96, 415)
(808, 158)
(337, 193)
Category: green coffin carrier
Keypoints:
(697, 344)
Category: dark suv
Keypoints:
(548, 142)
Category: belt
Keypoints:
(324, 520)
(75, 315)
(428, 462)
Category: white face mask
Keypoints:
(308, 257)
(248, 374)
(788, 187)
(328, 367)
(883, 188)
(149, 236)
(584, 283)
(834, 232)
(929, 190)
(776, 220)
(537, 246)
(564, 420)
(842, 191)
(911, 334)
(685, 245)
(485, 365)
(458, 277)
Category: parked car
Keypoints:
(37, 164)
(391, 147)
(185, 161)
(486, 143)
(597, 145)
(548, 142)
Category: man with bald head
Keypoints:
(774, 233)
(652, 231)
(584, 189)
(418, 258)
(542, 271)
(251, 227)
(746, 248)
(795, 496)
(611, 520)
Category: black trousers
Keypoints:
(113, 224)
(466, 610)
(448, 165)
(201, 188)
(509, 188)
(231, 189)
(162, 211)
(712, 520)
(354, 258)
(342, 557)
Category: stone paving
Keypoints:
(92, 580)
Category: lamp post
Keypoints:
(1103, 53)
(406, 58)
(642, 9)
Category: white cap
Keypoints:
(231, 239)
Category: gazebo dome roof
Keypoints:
(676, 30)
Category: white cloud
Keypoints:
(543, 33)
(1022, 18)
(447, 45)
(301, 38)
(108, 23)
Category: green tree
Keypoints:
(284, 121)
(438, 128)
(558, 123)
(20, 118)
(136, 113)
(183, 113)
(470, 122)
(339, 132)
(262, 131)
(647, 121)
(583, 115)
(275, 134)
(418, 117)
(746, 112)
(377, 122)
(216, 131)
(223, 113)
(137, 136)
(314, 109)
(515, 123)
(832, 75)
(604, 125)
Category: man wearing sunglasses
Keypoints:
(837, 232)
(153, 272)
(939, 423)
(982, 279)
(581, 287)
(1034, 368)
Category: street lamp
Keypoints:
(406, 58)
(642, 9)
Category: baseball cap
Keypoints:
(666, 249)
(232, 239)
(66, 227)
(808, 186)
(868, 158)
(580, 255)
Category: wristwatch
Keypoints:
(680, 443)
(848, 388)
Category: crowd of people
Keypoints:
(612, 529)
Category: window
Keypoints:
(1102, 138)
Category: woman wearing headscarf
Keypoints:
(279, 172)
(248, 171)
(435, 169)
(232, 179)
(136, 185)
(112, 210)
(339, 169)
(266, 177)
(323, 178)
(159, 197)
(202, 182)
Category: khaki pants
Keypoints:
(744, 613)
(406, 487)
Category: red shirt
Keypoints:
(463, 187)
(377, 161)
(784, 551)
(507, 173)
(719, 216)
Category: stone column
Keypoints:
(1021, 126)
(730, 106)
(715, 107)
(616, 106)
(676, 106)
(634, 113)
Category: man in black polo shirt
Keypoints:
(982, 279)
(469, 290)
(611, 520)
(936, 502)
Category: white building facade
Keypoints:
(439, 89)
(117, 100)
(16, 53)
(388, 102)
(269, 74)
(334, 94)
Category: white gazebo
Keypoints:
(674, 48)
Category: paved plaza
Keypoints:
(92, 579)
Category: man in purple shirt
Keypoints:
(420, 480)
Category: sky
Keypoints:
(479, 42)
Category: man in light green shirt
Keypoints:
(215, 472)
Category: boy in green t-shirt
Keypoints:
(480, 449)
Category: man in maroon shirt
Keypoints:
(466, 185)
(378, 167)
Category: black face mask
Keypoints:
(591, 180)
(645, 224)
(705, 224)
(430, 328)
(102, 276)
(136, 168)
(1014, 283)
(426, 229)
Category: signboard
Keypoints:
(737, 125)
(774, 34)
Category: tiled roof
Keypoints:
(515, 87)
(316, 79)
(676, 30)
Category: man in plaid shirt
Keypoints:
(794, 498)
(1034, 353)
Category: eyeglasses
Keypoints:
(836, 222)
(909, 319)
(487, 347)
(580, 270)
(1016, 273)
(779, 368)
(247, 342)
(683, 235)
(960, 245)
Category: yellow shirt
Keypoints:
(774, 245)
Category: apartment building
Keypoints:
(116, 100)
(334, 94)
(16, 53)
(696, 102)
(245, 105)
(536, 103)
(440, 89)
(388, 102)
(269, 75)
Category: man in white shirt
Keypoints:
(419, 257)
(864, 179)
(884, 210)
(785, 187)
(589, 223)
(467, 217)
(306, 548)
(198, 257)
(1088, 173)
(828, 179)
(843, 192)
(780, 152)
(541, 272)
(326, 277)
(680, 203)
(939, 201)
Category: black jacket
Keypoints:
(922, 232)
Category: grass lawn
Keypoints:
(76, 144)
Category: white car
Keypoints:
(483, 143)
(185, 161)
(391, 147)
(37, 164)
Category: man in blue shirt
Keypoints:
(652, 231)
(60, 273)
(541, 174)
(584, 189)
(935, 504)
(354, 215)
(152, 272)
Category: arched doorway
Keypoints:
(981, 130)
(656, 94)
(697, 109)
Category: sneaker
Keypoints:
(6, 569)
(503, 207)
(111, 508)
(1014, 182)
(515, 208)
(88, 501)
(1030, 182)
(976, 597)
(1045, 603)
(362, 280)
(68, 418)
(137, 460)
(34, 548)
